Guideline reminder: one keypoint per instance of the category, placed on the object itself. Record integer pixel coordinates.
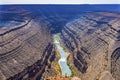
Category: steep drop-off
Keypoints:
(26, 44)
(27, 50)
(92, 39)
(26, 47)
(115, 59)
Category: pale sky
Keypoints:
(59, 1)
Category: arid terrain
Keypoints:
(28, 51)
(93, 41)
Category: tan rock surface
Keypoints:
(25, 49)
(106, 75)
(92, 40)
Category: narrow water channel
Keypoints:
(63, 57)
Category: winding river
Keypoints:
(63, 57)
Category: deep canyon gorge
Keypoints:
(28, 52)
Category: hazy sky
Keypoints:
(59, 1)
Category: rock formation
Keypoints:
(27, 50)
(115, 64)
(92, 40)
(25, 47)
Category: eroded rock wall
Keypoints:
(115, 64)
(25, 47)
(91, 39)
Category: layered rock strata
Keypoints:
(115, 64)
(25, 48)
(92, 39)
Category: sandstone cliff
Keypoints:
(25, 46)
(92, 40)
(27, 50)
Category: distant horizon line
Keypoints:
(59, 4)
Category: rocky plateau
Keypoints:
(27, 50)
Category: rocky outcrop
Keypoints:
(27, 51)
(25, 47)
(115, 64)
(91, 40)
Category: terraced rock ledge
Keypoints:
(92, 40)
(25, 50)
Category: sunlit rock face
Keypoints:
(92, 39)
(25, 46)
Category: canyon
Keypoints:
(93, 40)
(28, 51)
(25, 49)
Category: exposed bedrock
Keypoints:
(91, 40)
(115, 64)
(26, 45)
(25, 50)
